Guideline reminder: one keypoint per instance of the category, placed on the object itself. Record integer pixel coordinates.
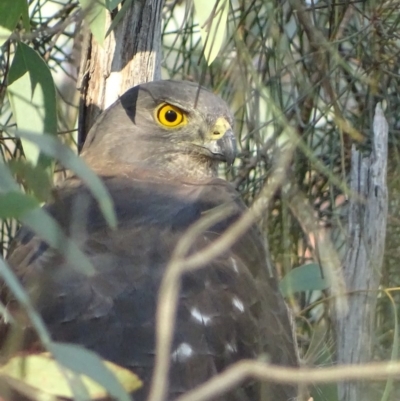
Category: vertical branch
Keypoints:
(364, 256)
(129, 56)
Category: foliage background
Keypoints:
(323, 65)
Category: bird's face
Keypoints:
(165, 123)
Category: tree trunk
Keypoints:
(130, 55)
(364, 257)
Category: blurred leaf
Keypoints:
(44, 374)
(7, 182)
(212, 16)
(86, 362)
(53, 147)
(16, 204)
(95, 16)
(119, 16)
(4, 35)
(112, 4)
(40, 222)
(303, 278)
(32, 96)
(14, 285)
(13, 389)
(10, 13)
(34, 178)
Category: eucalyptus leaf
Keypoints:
(308, 277)
(11, 12)
(16, 204)
(112, 4)
(87, 363)
(32, 95)
(13, 284)
(53, 147)
(95, 15)
(40, 222)
(7, 182)
(119, 16)
(212, 17)
(42, 373)
(34, 178)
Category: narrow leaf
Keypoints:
(53, 147)
(16, 204)
(7, 182)
(112, 4)
(32, 96)
(45, 374)
(304, 278)
(34, 178)
(40, 222)
(85, 362)
(10, 13)
(22, 297)
(95, 15)
(119, 16)
(212, 17)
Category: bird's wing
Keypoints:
(228, 310)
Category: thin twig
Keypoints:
(246, 369)
(169, 289)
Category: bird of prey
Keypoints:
(157, 149)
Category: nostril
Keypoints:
(216, 133)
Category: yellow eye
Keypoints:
(170, 116)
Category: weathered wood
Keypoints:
(364, 255)
(130, 55)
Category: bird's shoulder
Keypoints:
(147, 209)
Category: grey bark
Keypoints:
(364, 256)
(130, 55)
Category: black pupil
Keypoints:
(171, 116)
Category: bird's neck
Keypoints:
(183, 167)
(186, 165)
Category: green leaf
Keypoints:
(7, 182)
(40, 222)
(53, 147)
(304, 278)
(42, 373)
(10, 13)
(112, 4)
(32, 96)
(95, 15)
(9, 278)
(34, 178)
(119, 16)
(212, 17)
(85, 362)
(16, 204)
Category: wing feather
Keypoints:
(229, 310)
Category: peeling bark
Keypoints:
(368, 211)
(130, 55)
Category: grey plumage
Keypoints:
(162, 180)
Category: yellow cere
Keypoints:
(170, 116)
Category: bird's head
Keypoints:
(174, 126)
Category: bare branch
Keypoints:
(243, 370)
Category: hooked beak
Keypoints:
(224, 148)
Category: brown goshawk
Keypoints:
(157, 150)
